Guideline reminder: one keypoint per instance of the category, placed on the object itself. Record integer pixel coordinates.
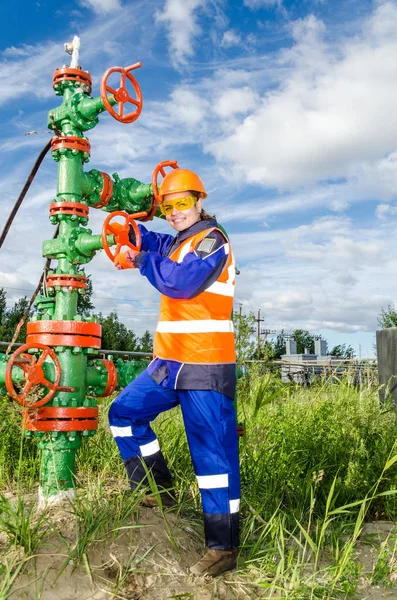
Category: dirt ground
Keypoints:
(371, 538)
(140, 565)
(151, 563)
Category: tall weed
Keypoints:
(315, 463)
(335, 434)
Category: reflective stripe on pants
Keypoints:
(211, 432)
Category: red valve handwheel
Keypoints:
(34, 374)
(160, 169)
(121, 236)
(122, 95)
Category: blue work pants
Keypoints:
(210, 424)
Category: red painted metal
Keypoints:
(69, 74)
(70, 281)
(34, 374)
(107, 190)
(69, 208)
(121, 233)
(161, 169)
(148, 216)
(61, 418)
(112, 378)
(63, 412)
(121, 95)
(65, 340)
(73, 327)
(65, 333)
(62, 425)
(70, 142)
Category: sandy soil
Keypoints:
(145, 563)
(371, 538)
(114, 569)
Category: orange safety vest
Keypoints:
(198, 330)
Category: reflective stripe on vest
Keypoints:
(199, 330)
(199, 326)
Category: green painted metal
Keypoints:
(130, 195)
(58, 456)
(74, 246)
(128, 371)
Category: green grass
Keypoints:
(19, 458)
(315, 464)
(331, 436)
(99, 516)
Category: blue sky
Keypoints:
(287, 110)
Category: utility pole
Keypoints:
(259, 320)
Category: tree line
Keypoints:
(115, 335)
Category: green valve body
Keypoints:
(84, 375)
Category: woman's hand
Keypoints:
(125, 260)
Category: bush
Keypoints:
(297, 436)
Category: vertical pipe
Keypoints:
(58, 453)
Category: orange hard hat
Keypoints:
(181, 180)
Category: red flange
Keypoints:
(60, 418)
(69, 208)
(65, 333)
(70, 142)
(63, 412)
(121, 233)
(59, 339)
(69, 74)
(73, 327)
(63, 425)
(112, 378)
(34, 374)
(107, 190)
(121, 95)
(62, 280)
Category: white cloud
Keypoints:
(235, 101)
(334, 197)
(102, 6)
(188, 107)
(230, 38)
(328, 274)
(332, 109)
(13, 52)
(339, 205)
(254, 4)
(385, 211)
(180, 18)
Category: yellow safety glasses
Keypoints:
(178, 203)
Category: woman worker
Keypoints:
(194, 365)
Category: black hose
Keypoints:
(24, 191)
(18, 328)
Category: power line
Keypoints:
(93, 296)
(108, 311)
